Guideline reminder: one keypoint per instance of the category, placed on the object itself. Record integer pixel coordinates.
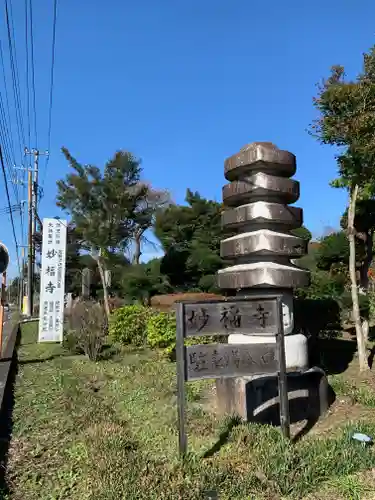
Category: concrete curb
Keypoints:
(29, 320)
(6, 360)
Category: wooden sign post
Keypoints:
(258, 315)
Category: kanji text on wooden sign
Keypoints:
(223, 317)
(229, 360)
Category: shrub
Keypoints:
(323, 286)
(317, 317)
(161, 331)
(71, 342)
(371, 298)
(88, 329)
(346, 305)
(128, 324)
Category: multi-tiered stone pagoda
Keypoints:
(257, 200)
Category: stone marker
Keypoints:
(257, 202)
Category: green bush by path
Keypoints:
(161, 331)
(128, 324)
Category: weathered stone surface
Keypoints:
(262, 274)
(261, 186)
(263, 213)
(263, 242)
(260, 156)
(256, 399)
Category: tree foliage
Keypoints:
(190, 235)
(347, 121)
(154, 201)
(104, 206)
(142, 281)
(302, 232)
(333, 252)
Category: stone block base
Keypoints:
(256, 399)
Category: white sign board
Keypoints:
(52, 281)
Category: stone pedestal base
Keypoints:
(256, 399)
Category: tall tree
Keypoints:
(154, 201)
(73, 263)
(143, 281)
(347, 120)
(333, 253)
(364, 223)
(103, 206)
(190, 235)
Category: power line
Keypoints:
(53, 54)
(15, 79)
(33, 71)
(13, 208)
(9, 205)
(16, 91)
(27, 74)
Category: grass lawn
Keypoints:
(108, 431)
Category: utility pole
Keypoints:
(21, 283)
(30, 265)
(33, 188)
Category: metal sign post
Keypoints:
(258, 315)
(181, 377)
(282, 375)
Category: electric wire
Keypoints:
(52, 73)
(9, 205)
(16, 93)
(15, 80)
(27, 75)
(33, 72)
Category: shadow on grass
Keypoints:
(223, 437)
(6, 418)
(42, 360)
(109, 352)
(333, 355)
(314, 415)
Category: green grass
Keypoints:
(360, 393)
(108, 431)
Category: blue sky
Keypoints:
(184, 84)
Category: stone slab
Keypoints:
(257, 400)
(262, 274)
(261, 187)
(263, 242)
(260, 155)
(262, 213)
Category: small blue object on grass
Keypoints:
(362, 438)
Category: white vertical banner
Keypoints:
(52, 281)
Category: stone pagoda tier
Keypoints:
(257, 200)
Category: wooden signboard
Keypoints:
(249, 316)
(255, 317)
(229, 360)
